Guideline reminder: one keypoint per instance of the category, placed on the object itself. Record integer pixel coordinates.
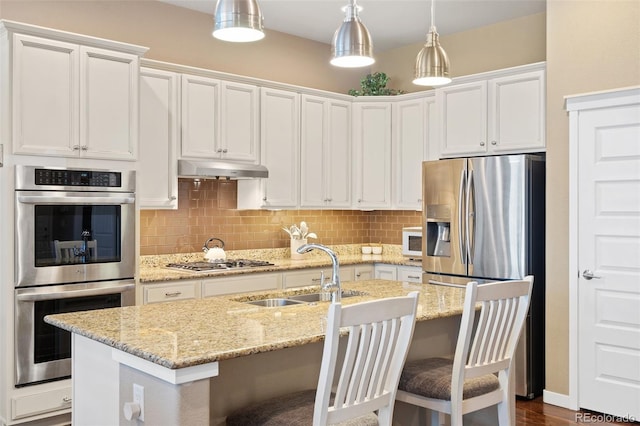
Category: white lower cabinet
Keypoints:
(386, 272)
(41, 402)
(361, 272)
(306, 277)
(240, 284)
(412, 274)
(171, 291)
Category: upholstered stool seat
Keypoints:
(295, 409)
(431, 378)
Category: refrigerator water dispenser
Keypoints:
(438, 239)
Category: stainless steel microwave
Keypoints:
(412, 242)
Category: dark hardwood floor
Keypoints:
(535, 412)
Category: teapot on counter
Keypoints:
(215, 253)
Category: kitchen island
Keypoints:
(198, 360)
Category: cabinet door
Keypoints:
(409, 150)
(325, 165)
(279, 145)
(239, 122)
(45, 96)
(312, 146)
(109, 104)
(386, 272)
(200, 117)
(337, 170)
(363, 273)
(157, 171)
(372, 151)
(517, 113)
(463, 119)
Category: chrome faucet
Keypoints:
(334, 285)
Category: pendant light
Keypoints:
(351, 46)
(432, 63)
(238, 21)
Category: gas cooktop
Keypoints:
(229, 264)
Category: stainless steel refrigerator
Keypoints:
(484, 220)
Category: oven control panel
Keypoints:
(66, 177)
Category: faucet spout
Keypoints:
(334, 286)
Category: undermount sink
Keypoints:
(300, 299)
(324, 297)
(275, 302)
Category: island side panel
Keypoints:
(95, 383)
(165, 403)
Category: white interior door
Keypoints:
(609, 249)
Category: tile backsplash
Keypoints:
(208, 209)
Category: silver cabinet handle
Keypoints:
(588, 275)
(66, 400)
(481, 143)
(173, 294)
(225, 150)
(76, 147)
(84, 147)
(219, 150)
(494, 143)
(414, 277)
(173, 197)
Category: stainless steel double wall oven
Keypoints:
(75, 251)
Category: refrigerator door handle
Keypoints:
(461, 237)
(470, 213)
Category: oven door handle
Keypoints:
(37, 296)
(70, 199)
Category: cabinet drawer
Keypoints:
(305, 278)
(41, 402)
(412, 275)
(170, 292)
(242, 284)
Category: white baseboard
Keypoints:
(558, 399)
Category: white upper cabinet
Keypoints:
(219, 119)
(517, 113)
(159, 135)
(411, 130)
(499, 115)
(239, 120)
(200, 117)
(325, 160)
(372, 155)
(279, 152)
(73, 100)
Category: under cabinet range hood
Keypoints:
(220, 169)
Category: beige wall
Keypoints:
(183, 36)
(503, 45)
(591, 46)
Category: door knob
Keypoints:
(588, 275)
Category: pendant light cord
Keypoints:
(433, 15)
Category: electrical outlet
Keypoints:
(138, 397)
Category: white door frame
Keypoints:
(574, 105)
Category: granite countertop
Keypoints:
(193, 332)
(152, 268)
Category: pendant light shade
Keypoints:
(238, 21)
(351, 46)
(432, 63)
